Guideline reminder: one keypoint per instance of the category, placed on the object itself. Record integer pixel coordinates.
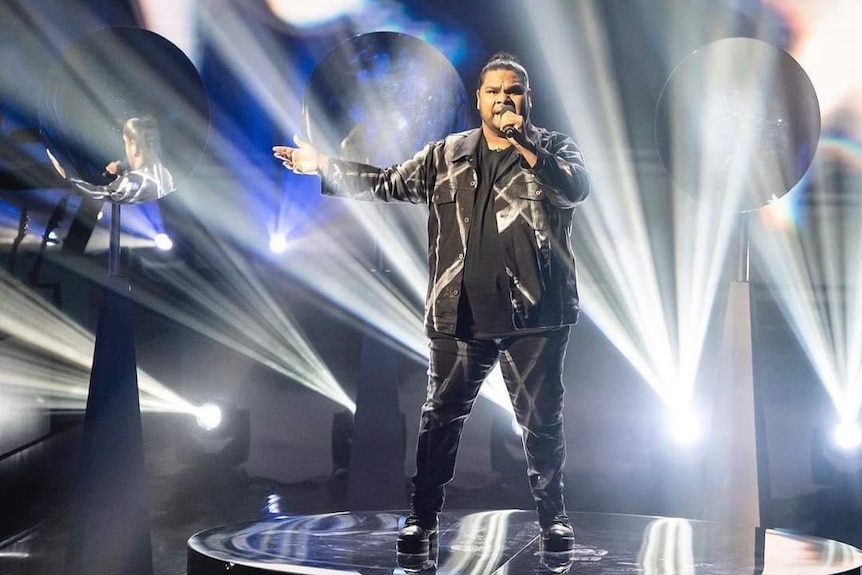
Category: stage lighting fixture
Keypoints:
(218, 434)
(163, 241)
(53, 238)
(278, 243)
(209, 416)
(684, 427)
(847, 436)
(834, 464)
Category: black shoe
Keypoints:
(558, 536)
(557, 563)
(420, 564)
(418, 536)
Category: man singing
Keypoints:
(141, 177)
(502, 283)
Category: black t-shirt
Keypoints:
(485, 308)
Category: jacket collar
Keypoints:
(466, 145)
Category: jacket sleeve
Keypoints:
(132, 187)
(561, 170)
(408, 181)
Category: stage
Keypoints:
(507, 542)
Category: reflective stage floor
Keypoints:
(506, 542)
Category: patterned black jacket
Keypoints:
(534, 210)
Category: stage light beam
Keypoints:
(814, 275)
(651, 276)
(48, 355)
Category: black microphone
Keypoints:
(508, 131)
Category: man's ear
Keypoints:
(477, 99)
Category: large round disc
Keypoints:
(114, 74)
(738, 117)
(379, 97)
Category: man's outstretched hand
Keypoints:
(303, 159)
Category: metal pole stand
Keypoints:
(109, 523)
(732, 492)
(376, 477)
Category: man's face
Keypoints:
(500, 87)
(132, 153)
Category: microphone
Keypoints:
(508, 131)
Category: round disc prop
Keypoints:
(110, 76)
(379, 97)
(740, 118)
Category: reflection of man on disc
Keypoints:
(141, 177)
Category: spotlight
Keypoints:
(163, 241)
(209, 416)
(278, 243)
(834, 458)
(847, 436)
(684, 427)
(218, 435)
(53, 238)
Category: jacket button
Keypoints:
(472, 183)
(460, 256)
(467, 220)
(538, 192)
(455, 291)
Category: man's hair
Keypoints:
(145, 131)
(505, 61)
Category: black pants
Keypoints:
(532, 368)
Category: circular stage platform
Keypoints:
(506, 542)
